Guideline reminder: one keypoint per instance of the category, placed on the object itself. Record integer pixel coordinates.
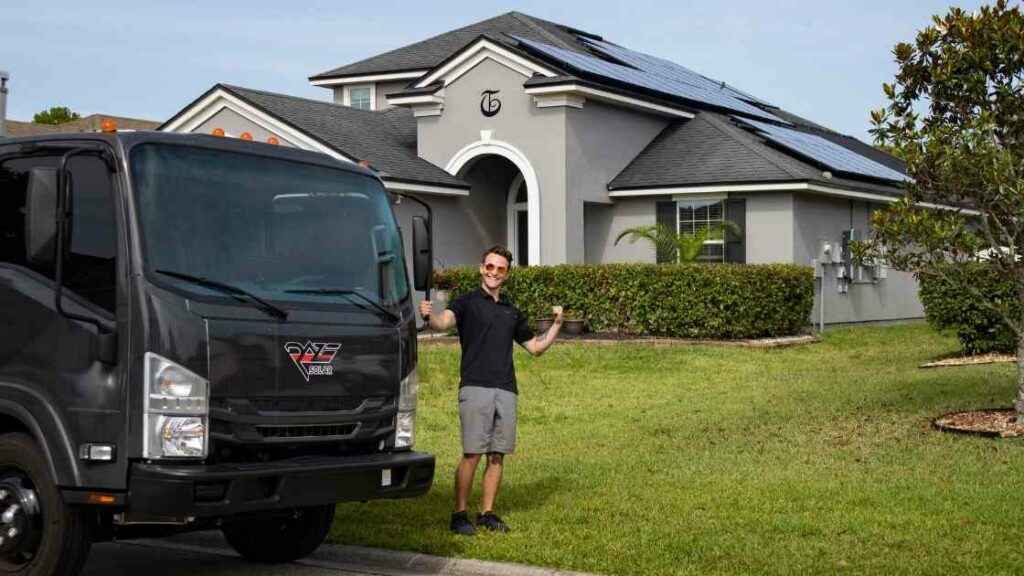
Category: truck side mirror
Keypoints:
(41, 218)
(422, 254)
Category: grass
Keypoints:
(818, 459)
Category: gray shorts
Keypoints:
(488, 420)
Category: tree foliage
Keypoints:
(56, 115)
(685, 247)
(955, 114)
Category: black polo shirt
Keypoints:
(486, 332)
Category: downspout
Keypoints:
(4, 76)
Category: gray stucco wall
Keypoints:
(821, 218)
(234, 124)
(625, 213)
(385, 88)
(601, 140)
(538, 133)
(769, 227)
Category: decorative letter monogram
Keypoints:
(489, 104)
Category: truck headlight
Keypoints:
(405, 420)
(176, 419)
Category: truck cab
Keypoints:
(198, 332)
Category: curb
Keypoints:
(362, 559)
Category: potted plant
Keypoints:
(574, 322)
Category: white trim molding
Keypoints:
(463, 157)
(423, 188)
(386, 77)
(587, 92)
(476, 53)
(782, 186)
(219, 99)
(511, 215)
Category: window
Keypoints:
(361, 97)
(89, 267)
(694, 216)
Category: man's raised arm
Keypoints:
(538, 344)
(443, 321)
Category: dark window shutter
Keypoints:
(736, 244)
(666, 215)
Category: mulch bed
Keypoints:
(620, 337)
(970, 360)
(992, 422)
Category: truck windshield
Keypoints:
(280, 230)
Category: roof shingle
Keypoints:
(428, 53)
(387, 140)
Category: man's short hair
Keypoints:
(500, 251)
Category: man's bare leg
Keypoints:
(464, 473)
(492, 480)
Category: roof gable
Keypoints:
(387, 139)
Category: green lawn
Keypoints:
(694, 460)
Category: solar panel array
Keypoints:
(672, 87)
(667, 69)
(826, 152)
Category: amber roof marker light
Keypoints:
(108, 126)
(273, 140)
(246, 136)
(218, 132)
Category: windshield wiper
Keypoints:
(228, 288)
(348, 292)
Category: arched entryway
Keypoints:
(471, 164)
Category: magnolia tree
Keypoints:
(955, 114)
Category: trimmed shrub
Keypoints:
(948, 306)
(721, 301)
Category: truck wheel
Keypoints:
(39, 534)
(275, 540)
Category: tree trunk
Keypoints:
(1019, 404)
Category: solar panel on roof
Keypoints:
(826, 152)
(641, 79)
(667, 69)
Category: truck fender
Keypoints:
(39, 417)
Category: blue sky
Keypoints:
(824, 60)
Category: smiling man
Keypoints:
(488, 324)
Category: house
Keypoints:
(554, 140)
(90, 123)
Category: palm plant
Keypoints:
(678, 246)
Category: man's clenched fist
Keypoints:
(425, 308)
(557, 311)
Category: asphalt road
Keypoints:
(154, 559)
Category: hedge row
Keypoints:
(722, 301)
(948, 306)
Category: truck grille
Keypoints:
(311, 431)
(286, 404)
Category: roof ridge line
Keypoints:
(528, 20)
(715, 123)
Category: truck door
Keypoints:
(49, 358)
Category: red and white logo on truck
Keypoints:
(313, 358)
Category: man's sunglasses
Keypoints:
(496, 269)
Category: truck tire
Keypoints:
(49, 537)
(277, 539)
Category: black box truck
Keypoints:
(198, 333)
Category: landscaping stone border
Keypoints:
(970, 360)
(614, 338)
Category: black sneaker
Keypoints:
(461, 524)
(490, 521)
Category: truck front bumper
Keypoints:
(177, 490)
